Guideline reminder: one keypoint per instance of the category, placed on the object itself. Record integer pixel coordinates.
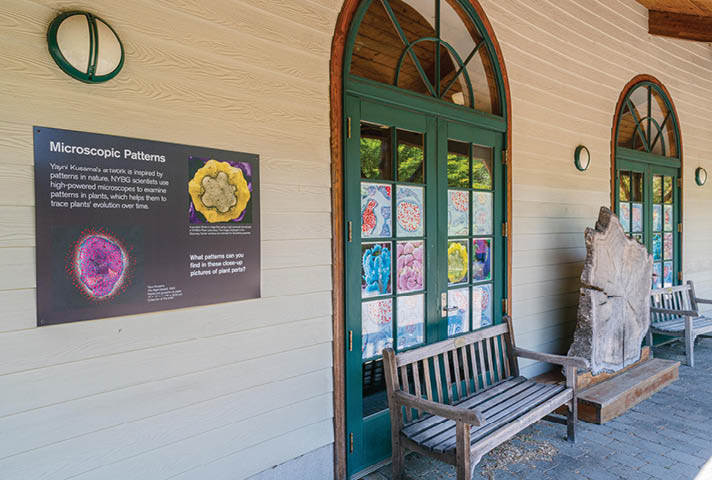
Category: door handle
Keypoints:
(443, 306)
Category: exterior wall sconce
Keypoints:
(700, 176)
(582, 158)
(85, 47)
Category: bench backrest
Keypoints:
(447, 371)
(681, 297)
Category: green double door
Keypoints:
(648, 205)
(424, 213)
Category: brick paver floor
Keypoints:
(666, 437)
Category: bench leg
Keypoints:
(649, 340)
(397, 459)
(462, 451)
(690, 348)
(571, 419)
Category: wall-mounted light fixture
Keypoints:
(85, 47)
(582, 158)
(700, 176)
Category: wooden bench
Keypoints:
(674, 312)
(458, 399)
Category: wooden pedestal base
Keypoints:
(604, 397)
(606, 400)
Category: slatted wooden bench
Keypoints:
(674, 312)
(458, 399)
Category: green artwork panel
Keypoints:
(458, 164)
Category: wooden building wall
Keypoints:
(222, 391)
(226, 391)
(567, 64)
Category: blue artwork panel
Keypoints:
(458, 212)
(667, 218)
(667, 274)
(657, 275)
(625, 216)
(458, 315)
(376, 327)
(375, 210)
(657, 246)
(375, 269)
(481, 259)
(637, 217)
(481, 306)
(411, 320)
(482, 213)
(657, 218)
(410, 214)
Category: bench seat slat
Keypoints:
(438, 434)
(678, 324)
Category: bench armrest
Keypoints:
(458, 414)
(704, 300)
(679, 313)
(562, 360)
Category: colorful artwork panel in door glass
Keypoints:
(410, 215)
(376, 264)
(481, 259)
(376, 327)
(667, 218)
(482, 213)
(625, 216)
(657, 275)
(667, 274)
(657, 218)
(481, 306)
(375, 210)
(457, 262)
(657, 246)
(409, 266)
(667, 246)
(458, 316)
(458, 212)
(411, 320)
(637, 217)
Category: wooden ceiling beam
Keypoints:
(680, 25)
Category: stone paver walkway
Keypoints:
(666, 437)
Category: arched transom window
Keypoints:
(431, 47)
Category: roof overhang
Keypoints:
(686, 19)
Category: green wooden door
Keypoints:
(424, 251)
(648, 205)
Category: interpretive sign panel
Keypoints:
(127, 226)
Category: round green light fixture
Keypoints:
(85, 47)
(700, 176)
(582, 158)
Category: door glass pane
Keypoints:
(458, 164)
(667, 217)
(410, 265)
(458, 212)
(637, 218)
(625, 216)
(375, 210)
(667, 246)
(481, 306)
(410, 212)
(624, 186)
(637, 187)
(374, 387)
(375, 269)
(458, 318)
(376, 156)
(667, 190)
(481, 167)
(481, 259)
(657, 218)
(657, 275)
(667, 274)
(376, 327)
(657, 189)
(657, 246)
(411, 163)
(482, 213)
(411, 320)
(457, 262)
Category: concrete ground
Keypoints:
(666, 437)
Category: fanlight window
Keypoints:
(646, 122)
(430, 47)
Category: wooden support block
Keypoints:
(607, 400)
